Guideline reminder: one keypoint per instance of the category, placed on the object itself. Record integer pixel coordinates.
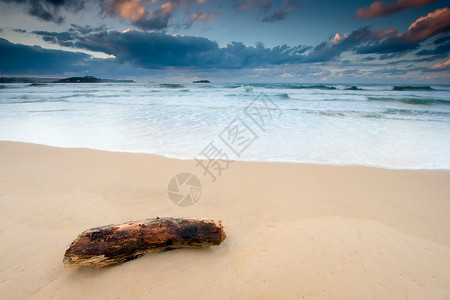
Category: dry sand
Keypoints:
(293, 231)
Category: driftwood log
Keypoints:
(112, 244)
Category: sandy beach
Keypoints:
(294, 231)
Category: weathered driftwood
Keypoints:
(112, 244)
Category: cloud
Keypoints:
(157, 50)
(18, 30)
(134, 11)
(351, 72)
(202, 16)
(154, 50)
(434, 23)
(49, 10)
(443, 65)
(390, 71)
(140, 53)
(36, 61)
(67, 38)
(249, 5)
(442, 40)
(393, 45)
(439, 51)
(368, 58)
(138, 12)
(83, 30)
(282, 13)
(287, 75)
(331, 50)
(286, 8)
(428, 26)
(23, 59)
(381, 8)
(144, 14)
(61, 38)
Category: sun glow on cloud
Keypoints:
(158, 34)
(382, 8)
(131, 9)
(202, 17)
(337, 38)
(441, 65)
(146, 15)
(429, 25)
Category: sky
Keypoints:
(305, 41)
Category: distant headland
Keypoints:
(202, 81)
(85, 79)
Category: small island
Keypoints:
(201, 81)
(39, 80)
(91, 79)
(85, 79)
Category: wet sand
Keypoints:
(293, 230)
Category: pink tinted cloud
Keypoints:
(202, 16)
(381, 8)
(442, 65)
(147, 14)
(424, 27)
(131, 9)
(249, 5)
(287, 7)
(382, 33)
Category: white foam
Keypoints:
(316, 126)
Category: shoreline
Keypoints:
(293, 230)
(307, 163)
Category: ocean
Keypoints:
(404, 127)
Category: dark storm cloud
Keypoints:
(158, 50)
(61, 38)
(331, 50)
(382, 8)
(388, 46)
(440, 51)
(67, 38)
(23, 59)
(442, 40)
(18, 30)
(77, 29)
(152, 50)
(49, 10)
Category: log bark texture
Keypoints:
(112, 244)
